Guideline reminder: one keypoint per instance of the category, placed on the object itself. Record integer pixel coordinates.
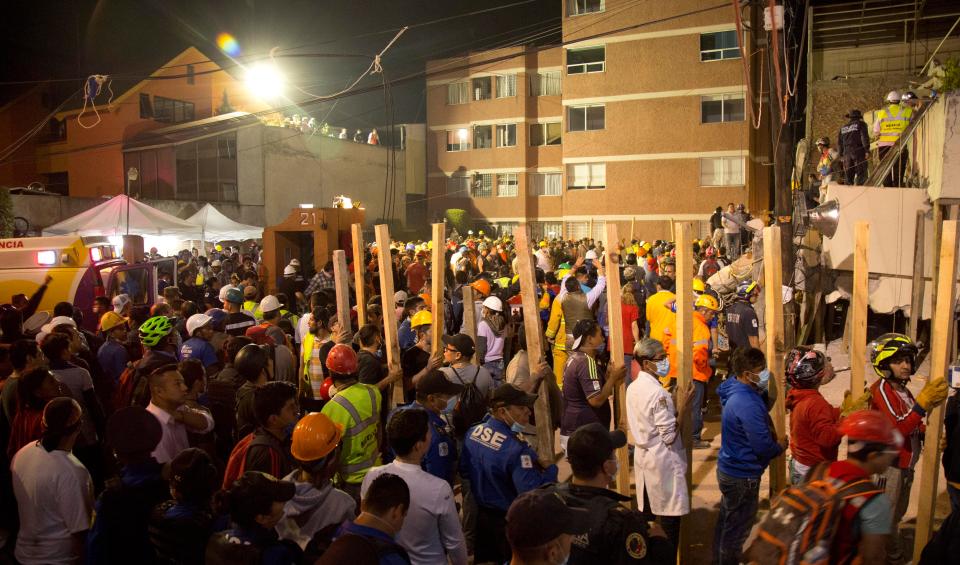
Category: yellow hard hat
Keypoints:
(707, 301)
(698, 285)
(314, 437)
(218, 247)
(421, 318)
(111, 320)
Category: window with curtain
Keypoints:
(507, 184)
(458, 93)
(721, 171)
(586, 176)
(506, 86)
(506, 135)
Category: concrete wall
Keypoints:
(879, 60)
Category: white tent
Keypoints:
(110, 219)
(215, 226)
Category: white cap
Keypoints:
(269, 303)
(591, 255)
(400, 297)
(215, 263)
(48, 328)
(196, 322)
(295, 262)
(493, 303)
(289, 270)
(35, 322)
(120, 301)
(223, 292)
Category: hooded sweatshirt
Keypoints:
(747, 444)
(311, 510)
(814, 434)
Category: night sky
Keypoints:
(66, 40)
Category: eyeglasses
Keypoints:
(451, 350)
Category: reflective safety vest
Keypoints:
(893, 119)
(357, 409)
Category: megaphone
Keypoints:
(825, 218)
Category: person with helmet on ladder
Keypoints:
(889, 123)
(853, 144)
(825, 161)
(356, 407)
(894, 360)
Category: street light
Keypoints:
(132, 175)
(265, 81)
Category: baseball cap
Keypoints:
(399, 297)
(461, 342)
(583, 328)
(295, 262)
(196, 322)
(539, 516)
(509, 395)
(289, 271)
(234, 296)
(593, 444)
(435, 383)
(119, 302)
(249, 291)
(33, 324)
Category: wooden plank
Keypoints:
(534, 334)
(633, 228)
(469, 313)
(359, 270)
(391, 337)
(773, 315)
(436, 286)
(614, 315)
(858, 308)
(683, 235)
(941, 335)
(341, 278)
(938, 218)
(916, 294)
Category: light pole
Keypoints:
(132, 174)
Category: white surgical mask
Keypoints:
(663, 366)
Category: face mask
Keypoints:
(516, 427)
(663, 367)
(764, 379)
(585, 288)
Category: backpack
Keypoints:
(132, 390)
(237, 463)
(470, 408)
(360, 550)
(803, 520)
(710, 267)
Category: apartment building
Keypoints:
(640, 117)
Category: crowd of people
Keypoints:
(233, 423)
(308, 124)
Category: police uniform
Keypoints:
(854, 145)
(617, 534)
(441, 457)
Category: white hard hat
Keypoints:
(893, 96)
(59, 321)
(289, 270)
(493, 303)
(196, 322)
(215, 263)
(295, 262)
(269, 303)
(591, 255)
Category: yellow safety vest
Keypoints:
(893, 120)
(357, 409)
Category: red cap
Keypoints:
(342, 360)
(870, 426)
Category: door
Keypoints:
(136, 281)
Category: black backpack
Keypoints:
(471, 406)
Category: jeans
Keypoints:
(496, 370)
(733, 245)
(699, 391)
(738, 511)
(896, 485)
(798, 472)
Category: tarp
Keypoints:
(110, 219)
(217, 227)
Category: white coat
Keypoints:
(660, 462)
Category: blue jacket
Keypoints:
(746, 442)
(441, 458)
(500, 465)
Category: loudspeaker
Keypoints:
(825, 218)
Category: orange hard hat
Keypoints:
(871, 426)
(342, 360)
(482, 286)
(314, 437)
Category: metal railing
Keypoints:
(923, 138)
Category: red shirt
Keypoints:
(814, 436)
(847, 540)
(629, 313)
(27, 426)
(909, 422)
(416, 276)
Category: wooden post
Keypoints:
(773, 310)
(391, 338)
(359, 270)
(534, 335)
(469, 313)
(590, 233)
(684, 345)
(633, 230)
(941, 334)
(436, 289)
(858, 310)
(938, 219)
(342, 283)
(916, 295)
(614, 315)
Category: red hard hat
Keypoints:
(325, 388)
(871, 426)
(342, 360)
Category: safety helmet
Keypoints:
(908, 96)
(421, 318)
(698, 285)
(480, 232)
(888, 347)
(747, 287)
(482, 286)
(493, 303)
(314, 437)
(154, 330)
(411, 246)
(893, 96)
(327, 389)
(708, 301)
(804, 367)
(250, 361)
(342, 360)
(825, 141)
(269, 303)
(111, 320)
(196, 322)
(870, 426)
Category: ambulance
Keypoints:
(82, 268)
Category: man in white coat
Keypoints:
(659, 458)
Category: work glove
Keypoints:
(851, 404)
(933, 394)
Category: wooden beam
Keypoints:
(683, 235)
(858, 310)
(534, 334)
(773, 310)
(614, 315)
(938, 218)
(941, 334)
(633, 228)
(916, 294)
(341, 278)
(390, 327)
(437, 256)
(469, 313)
(359, 270)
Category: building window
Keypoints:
(458, 93)
(191, 78)
(719, 45)
(507, 184)
(482, 88)
(458, 140)
(482, 137)
(57, 183)
(585, 118)
(586, 176)
(721, 171)
(546, 184)
(505, 228)
(506, 86)
(227, 146)
(579, 7)
(507, 135)
(545, 84)
(581, 230)
(146, 108)
(586, 60)
(458, 186)
(546, 230)
(545, 134)
(721, 108)
(483, 185)
(172, 111)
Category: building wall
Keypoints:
(16, 118)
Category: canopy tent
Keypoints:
(215, 226)
(110, 219)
